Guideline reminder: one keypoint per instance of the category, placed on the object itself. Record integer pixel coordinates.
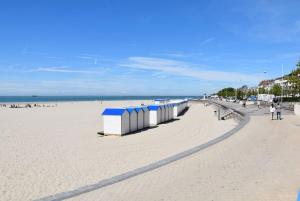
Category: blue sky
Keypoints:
(144, 47)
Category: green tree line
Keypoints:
(293, 79)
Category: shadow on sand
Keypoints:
(184, 111)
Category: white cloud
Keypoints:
(85, 57)
(64, 69)
(91, 58)
(181, 68)
(175, 55)
(209, 40)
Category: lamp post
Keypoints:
(264, 79)
(281, 82)
(265, 72)
(236, 94)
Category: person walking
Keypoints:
(278, 111)
(258, 104)
(244, 103)
(272, 110)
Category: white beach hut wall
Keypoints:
(175, 110)
(161, 101)
(133, 121)
(140, 118)
(182, 107)
(170, 111)
(115, 121)
(154, 114)
(167, 112)
(146, 117)
(179, 108)
(163, 113)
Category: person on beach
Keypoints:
(278, 111)
(244, 103)
(272, 110)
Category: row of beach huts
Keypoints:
(120, 121)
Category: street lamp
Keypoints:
(264, 76)
(281, 82)
(265, 72)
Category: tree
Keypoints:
(276, 90)
(262, 90)
(294, 80)
(249, 93)
(226, 92)
(240, 94)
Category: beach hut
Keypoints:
(140, 118)
(167, 112)
(161, 101)
(175, 110)
(154, 114)
(115, 121)
(133, 119)
(163, 113)
(179, 108)
(183, 105)
(146, 116)
(170, 111)
(186, 103)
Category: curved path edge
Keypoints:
(149, 167)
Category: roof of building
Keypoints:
(114, 111)
(131, 109)
(145, 108)
(138, 109)
(153, 107)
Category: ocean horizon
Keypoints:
(27, 99)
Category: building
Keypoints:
(170, 111)
(133, 119)
(154, 114)
(161, 101)
(146, 117)
(162, 114)
(140, 118)
(115, 121)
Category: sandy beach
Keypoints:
(260, 162)
(48, 150)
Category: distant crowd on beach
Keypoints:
(27, 105)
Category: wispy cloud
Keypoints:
(85, 57)
(206, 41)
(64, 69)
(181, 68)
(93, 59)
(175, 55)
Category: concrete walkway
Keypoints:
(260, 162)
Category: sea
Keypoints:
(28, 99)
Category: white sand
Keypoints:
(44, 151)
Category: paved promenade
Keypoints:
(259, 163)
